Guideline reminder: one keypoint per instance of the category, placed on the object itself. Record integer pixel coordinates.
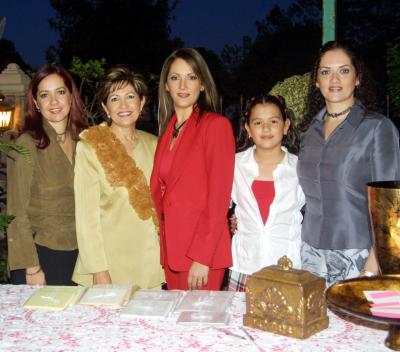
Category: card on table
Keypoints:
(385, 303)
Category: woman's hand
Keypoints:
(102, 278)
(371, 266)
(35, 276)
(198, 276)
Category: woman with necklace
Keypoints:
(115, 217)
(42, 246)
(345, 146)
(192, 176)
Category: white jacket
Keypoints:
(254, 244)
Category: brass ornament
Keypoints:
(286, 301)
(348, 296)
(384, 208)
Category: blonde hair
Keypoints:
(208, 99)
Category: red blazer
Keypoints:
(197, 196)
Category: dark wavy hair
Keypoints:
(34, 119)
(208, 99)
(364, 91)
(290, 140)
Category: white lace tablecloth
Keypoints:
(81, 328)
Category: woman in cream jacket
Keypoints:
(115, 216)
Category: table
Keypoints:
(81, 328)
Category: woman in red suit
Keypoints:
(192, 175)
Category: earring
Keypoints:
(37, 108)
(108, 119)
(201, 89)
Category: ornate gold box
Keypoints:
(286, 301)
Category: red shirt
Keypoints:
(264, 191)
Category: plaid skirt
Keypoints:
(236, 281)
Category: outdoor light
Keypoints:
(6, 114)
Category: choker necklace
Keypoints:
(61, 136)
(177, 129)
(334, 115)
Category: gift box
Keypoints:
(286, 301)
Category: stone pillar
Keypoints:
(14, 86)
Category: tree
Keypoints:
(89, 73)
(288, 40)
(122, 31)
(9, 54)
(294, 89)
(278, 50)
(393, 71)
(370, 25)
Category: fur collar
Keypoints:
(121, 170)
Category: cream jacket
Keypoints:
(255, 245)
(110, 234)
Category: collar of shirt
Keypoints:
(248, 161)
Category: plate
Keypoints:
(348, 297)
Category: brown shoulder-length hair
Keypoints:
(208, 99)
(33, 118)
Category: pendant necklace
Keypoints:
(61, 136)
(334, 115)
(177, 129)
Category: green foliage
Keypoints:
(89, 72)
(5, 219)
(294, 89)
(6, 147)
(393, 72)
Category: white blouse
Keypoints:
(255, 244)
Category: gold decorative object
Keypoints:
(348, 297)
(384, 208)
(286, 301)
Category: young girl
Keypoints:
(266, 192)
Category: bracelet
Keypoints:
(367, 273)
(32, 274)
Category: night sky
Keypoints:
(208, 23)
